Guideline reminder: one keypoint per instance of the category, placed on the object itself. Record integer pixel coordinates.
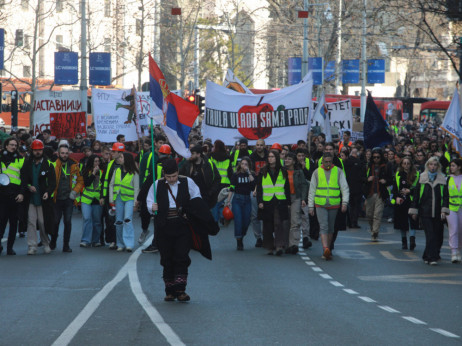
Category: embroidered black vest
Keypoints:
(182, 198)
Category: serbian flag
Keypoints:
(179, 114)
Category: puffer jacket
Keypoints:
(435, 197)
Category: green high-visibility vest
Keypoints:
(222, 167)
(422, 187)
(455, 195)
(92, 192)
(307, 163)
(13, 171)
(106, 178)
(327, 191)
(270, 190)
(341, 162)
(159, 171)
(236, 155)
(123, 186)
(146, 172)
(393, 201)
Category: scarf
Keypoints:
(432, 176)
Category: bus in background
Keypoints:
(434, 111)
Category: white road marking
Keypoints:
(389, 309)
(350, 291)
(367, 299)
(151, 311)
(128, 269)
(326, 276)
(336, 283)
(310, 263)
(317, 269)
(305, 258)
(445, 333)
(413, 320)
(302, 254)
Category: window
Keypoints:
(27, 41)
(26, 72)
(25, 5)
(107, 45)
(59, 5)
(59, 42)
(107, 8)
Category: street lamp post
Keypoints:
(364, 65)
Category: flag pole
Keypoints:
(153, 162)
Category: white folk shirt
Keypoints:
(194, 192)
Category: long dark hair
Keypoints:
(412, 170)
(90, 164)
(129, 164)
(266, 168)
(219, 152)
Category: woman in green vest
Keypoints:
(91, 207)
(273, 198)
(455, 209)
(404, 183)
(123, 190)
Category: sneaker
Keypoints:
(143, 236)
(32, 251)
(120, 249)
(47, 250)
(183, 297)
(112, 246)
(150, 249)
(433, 263)
(307, 243)
(169, 298)
(83, 244)
(129, 249)
(259, 242)
(390, 220)
(454, 258)
(374, 237)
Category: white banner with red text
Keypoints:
(278, 117)
(340, 115)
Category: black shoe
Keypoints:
(240, 245)
(404, 243)
(411, 243)
(53, 244)
(259, 242)
(355, 226)
(169, 298)
(307, 243)
(21, 235)
(40, 244)
(10, 252)
(293, 250)
(279, 252)
(150, 249)
(67, 249)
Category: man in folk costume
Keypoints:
(181, 218)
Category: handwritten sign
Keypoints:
(67, 125)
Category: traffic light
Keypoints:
(19, 38)
(192, 98)
(200, 101)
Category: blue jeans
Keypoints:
(217, 211)
(91, 222)
(124, 224)
(242, 207)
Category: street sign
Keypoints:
(350, 71)
(2, 47)
(100, 69)
(295, 70)
(66, 68)
(329, 71)
(375, 71)
(315, 66)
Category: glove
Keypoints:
(73, 195)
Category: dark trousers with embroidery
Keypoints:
(174, 243)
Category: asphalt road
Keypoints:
(370, 294)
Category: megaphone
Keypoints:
(112, 211)
(4, 179)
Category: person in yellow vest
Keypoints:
(273, 197)
(92, 210)
(455, 209)
(404, 183)
(69, 183)
(11, 192)
(243, 151)
(328, 192)
(123, 190)
(221, 159)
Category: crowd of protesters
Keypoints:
(285, 193)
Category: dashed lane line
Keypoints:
(413, 320)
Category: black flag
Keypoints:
(375, 127)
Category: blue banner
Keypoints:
(66, 68)
(315, 65)
(329, 71)
(100, 68)
(350, 71)
(375, 71)
(2, 48)
(295, 70)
